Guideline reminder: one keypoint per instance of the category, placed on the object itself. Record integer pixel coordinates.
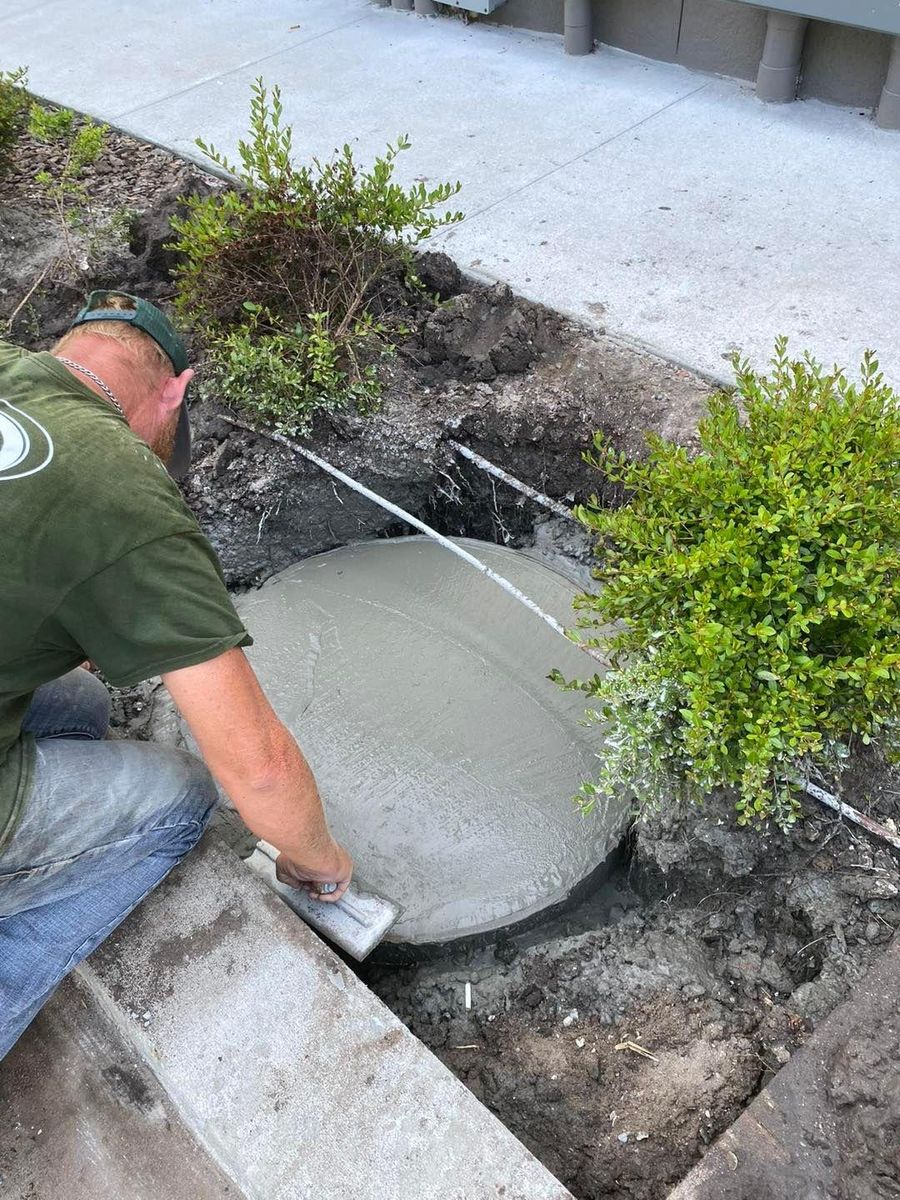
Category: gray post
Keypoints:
(888, 114)
(403, 5)
(779, 69)
(426, 8)
(579, 27)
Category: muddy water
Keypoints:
(446, 758)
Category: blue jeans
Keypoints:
(104, 822)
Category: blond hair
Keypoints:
(148, 353)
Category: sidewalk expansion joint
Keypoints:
(252, 62)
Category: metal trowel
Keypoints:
(356, 923)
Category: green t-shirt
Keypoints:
(100, 558)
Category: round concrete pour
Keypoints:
(446, 759)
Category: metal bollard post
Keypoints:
(782, 58)
(888, 113)
(579, 27)
(426, 8)
(402, 5)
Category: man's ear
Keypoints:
(174, 388)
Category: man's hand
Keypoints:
(297, 876)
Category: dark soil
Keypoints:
(618, 1041)
(513, 380)
(720, 955)
(130, 174)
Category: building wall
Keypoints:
(530, 14)
(649, 27)
(841, 64)
(721, 37)
(844, 66)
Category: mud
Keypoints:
(719, 949)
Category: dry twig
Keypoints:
(636, 1049)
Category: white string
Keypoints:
(532, 493)
(409, 519)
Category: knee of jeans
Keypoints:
(198, 794)
(192, 796)
(91, 700)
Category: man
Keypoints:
(101, 560)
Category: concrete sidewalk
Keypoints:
(671, 207)
(214, 1049)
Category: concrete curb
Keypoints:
(294, 1077)
(82, 1119)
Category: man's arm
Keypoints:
(259, 765)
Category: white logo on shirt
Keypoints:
(25, 446)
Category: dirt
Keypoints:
(864, 1092)
(620, 1039)
(263, 508)
(130, 174)
(618, 1042)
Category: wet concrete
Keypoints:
(446, 759)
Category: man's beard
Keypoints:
(163, 444)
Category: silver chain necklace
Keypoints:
(96, 379)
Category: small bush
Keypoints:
(285, 376)
(14, 102)
(757, 587)
(281, 274)
(82, 142)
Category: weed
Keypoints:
(81, 141)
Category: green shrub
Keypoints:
(284, 377)
(14, 102)
(82, 141)
(757, 592)
(281, 274)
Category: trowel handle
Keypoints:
(348, 903)
(269, 851)
(359, 913)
